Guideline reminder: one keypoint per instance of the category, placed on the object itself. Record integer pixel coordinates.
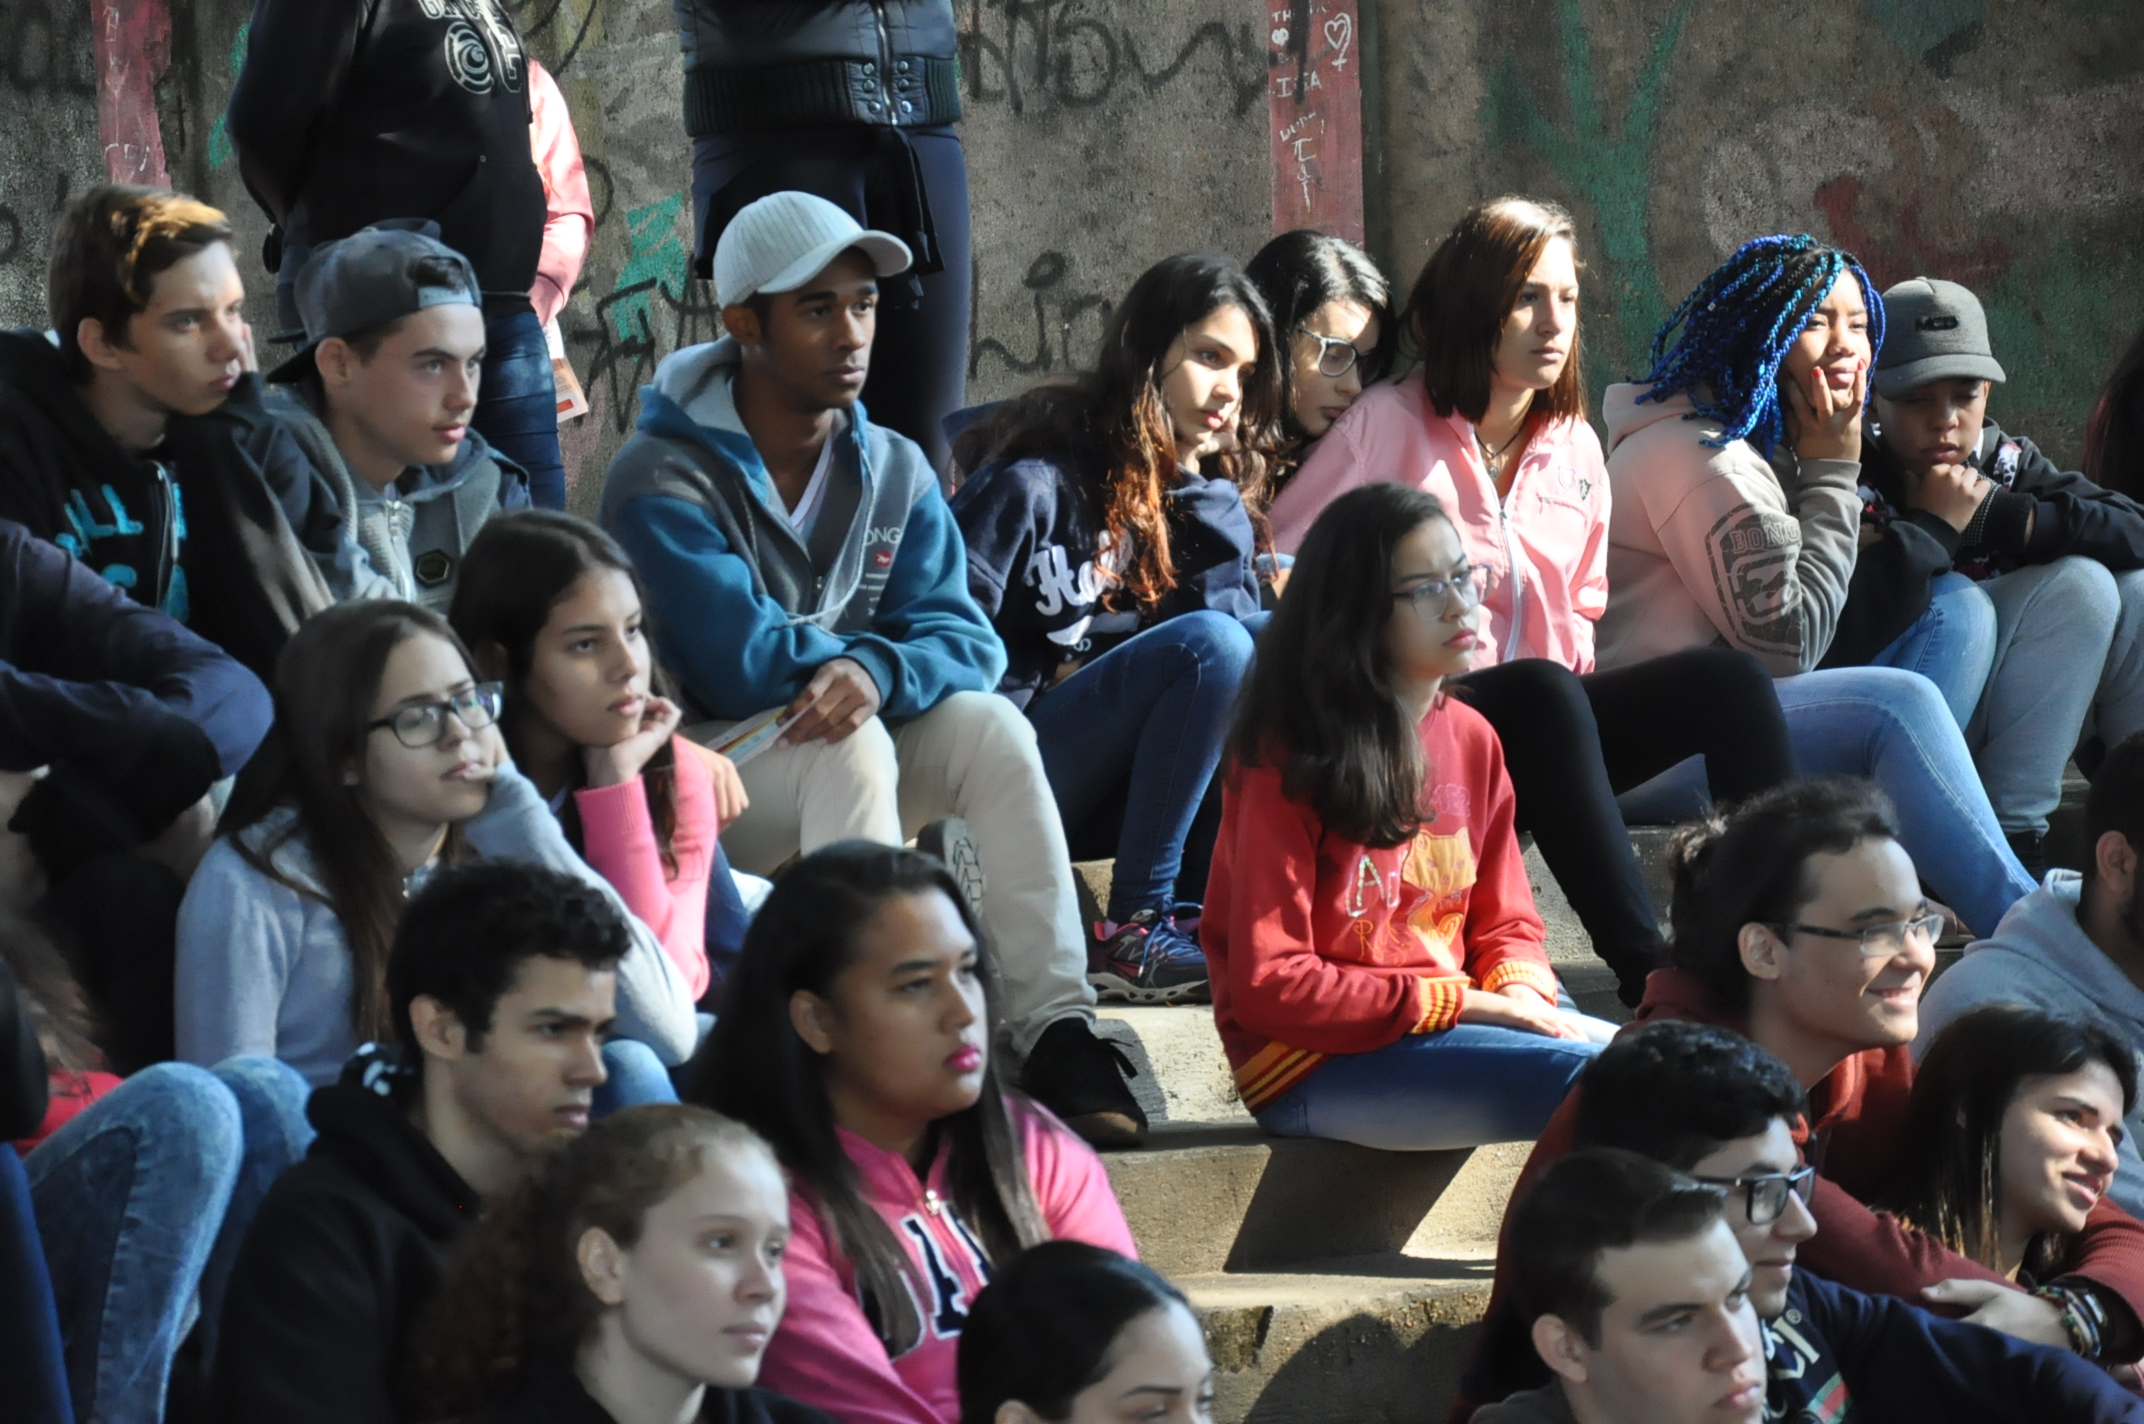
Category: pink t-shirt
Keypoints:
(825, 1352)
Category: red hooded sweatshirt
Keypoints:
(1860, 1122)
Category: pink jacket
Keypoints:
(1545, 544)
(618, 839)
(825, 1352)
(569, 212)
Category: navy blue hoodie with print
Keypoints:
(1038, 567)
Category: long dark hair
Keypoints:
(1736, 326)
(1320, 702)
(1043, 1329)
(513, 1293)
(1119, 406)
(2114, 437)
(1949, 1179)
(326, 679)
(758, 1070)
(516, 571)
(1301, 271)
(1454, 317)
(1750, 866)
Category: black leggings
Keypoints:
(1574, 743)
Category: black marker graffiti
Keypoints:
(1057, 313)
(1035, 49)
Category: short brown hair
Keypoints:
(1456, 311)
(107, 250)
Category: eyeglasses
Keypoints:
(424, 724)
(1335, 357)
(1765, 1197)
(1878, 941)
(1433, 595)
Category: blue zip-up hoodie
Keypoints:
(744, 611)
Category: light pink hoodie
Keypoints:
(1545, 543)
(825, 1352)
(569, 212)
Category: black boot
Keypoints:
(1080, 1076)
(2030, 847)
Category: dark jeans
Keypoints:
(31, 1359)
(1130, 742)
(1572, 743)
(919, 361)
(517, 404)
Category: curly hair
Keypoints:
(1735, 329)
(513, 1291)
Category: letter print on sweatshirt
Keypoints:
(1753, 554)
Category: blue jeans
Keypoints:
(1137, 733)
(1465, 1086)
(33, 1364)
(1952, 644)
(635, 1076)
(1894, 728)
(141, 1200)
(517, 404)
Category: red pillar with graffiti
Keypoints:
(1314, 94)
(132, 40)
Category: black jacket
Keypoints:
(136, 716)
(550, 1394)
(340, 1263)
(1905, 549)
(24, 1088)
(759, 65)
(228, 528)
(1033, 529)
(351, 111)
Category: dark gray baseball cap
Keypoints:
(361, 281)
(1933, 331)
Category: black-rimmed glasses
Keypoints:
(1431, 596)
(423, 724)
(1335, 357)
(1877, 941)
(1764, 1197)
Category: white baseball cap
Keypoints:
(780, 242)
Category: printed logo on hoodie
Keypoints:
(946, 1312)
(482, 50)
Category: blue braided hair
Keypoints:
(1736, 328)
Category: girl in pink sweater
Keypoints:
(548, 605)
(857, 1039)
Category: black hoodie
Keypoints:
(341, 1261)
(549, 1393)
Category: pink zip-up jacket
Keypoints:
(1545, 544)
(618, 839)
(825, 1352)
(569, 211)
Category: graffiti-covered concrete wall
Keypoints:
(1997, 142)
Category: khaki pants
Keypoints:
(972, 756)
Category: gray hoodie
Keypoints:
(1545, 1405)
(2040, 957)
(265, 969)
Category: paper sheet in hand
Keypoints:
(752, 736)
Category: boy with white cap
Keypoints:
(2060, 559)
(799, 557)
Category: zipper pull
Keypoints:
(932, 1202)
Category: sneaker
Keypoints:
(1147, 960)
(1080, 1076)
(952, 844)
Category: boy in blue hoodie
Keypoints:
(800, 559)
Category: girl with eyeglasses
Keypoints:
(1493, 423)
(1111, 542)
(1380, 974)
(1332, 316)
(385, 761)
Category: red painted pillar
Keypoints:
(133, 48)
(1314, 93)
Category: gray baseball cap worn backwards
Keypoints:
(361, 281)
(1933, 331)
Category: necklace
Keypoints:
(1494, 459)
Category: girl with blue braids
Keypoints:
(1736, 520)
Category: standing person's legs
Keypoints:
(1155, 712)
(517, 404)
(1715, 702)
(129, 1198)
(2054, 626)
(919, 363)
(2118, 711)
(1894, 728)
(807, 796)
(1462, 1087)
(1552, 750)
(271, 1097)
(1953, 644)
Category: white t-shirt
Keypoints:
(808, 505)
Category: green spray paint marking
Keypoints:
(656, 259)
(1611, 171)
(220, 152)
